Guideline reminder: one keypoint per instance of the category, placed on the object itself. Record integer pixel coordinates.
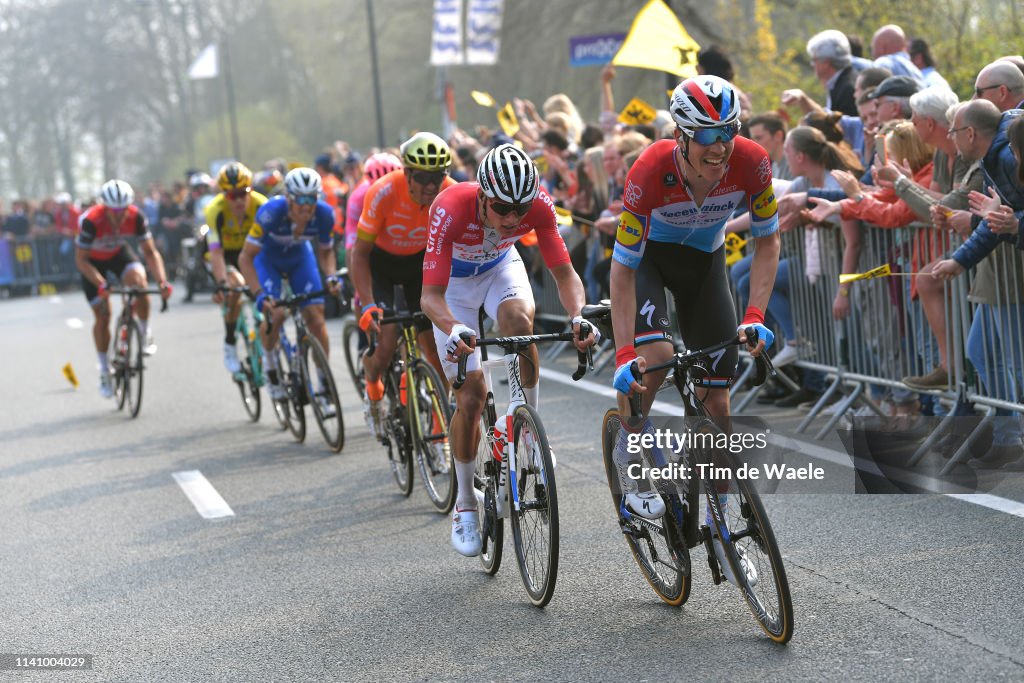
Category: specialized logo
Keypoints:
(647, 311)
(764, 170)
(764, 203)
(717, 355)
(632, 229)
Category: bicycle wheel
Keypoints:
(656, 546)
(744, 529)
(492, 526)
(249, 385)
(133, 369)
(318, 381)
(291, 378)
(396, 433)
(119, 362)
(535, 523)
(429, 415)
(353, 341)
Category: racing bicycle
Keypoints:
(126, 353)
(250, 378)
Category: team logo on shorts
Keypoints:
(764, 203)
(631, 229)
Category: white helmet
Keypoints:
(302, 181)
(704, 102)
(200, 180)
(508, 174)
(117, 194)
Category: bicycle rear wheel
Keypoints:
(535, 523)
(133, 369)
(318, 381)
(353, 341)
(492, 526)
(429, 415)
(656, 546)
(291, 408)
(396, 433)
(249, 386)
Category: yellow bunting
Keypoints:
(880, 271)
(482, 98)
(507, 119)
(563, 216)
(69, 373)
(637, 112)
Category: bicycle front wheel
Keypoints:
(319, 383)
(429, 415)
(353, 342)
(656, 546)
(133, 369)
(290, 408)
(396, 432)
(535, 518)
(748, 543)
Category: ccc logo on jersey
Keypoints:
(632, 229)
(764, 203)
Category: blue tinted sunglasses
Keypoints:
(303, 199)
(709, 136)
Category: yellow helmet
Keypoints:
(234, 176)
(426, 152)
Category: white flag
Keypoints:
(205, 65)
(483, 31)
(446, 41)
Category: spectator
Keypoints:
(769, 131)
(334, 191)
(889, 49)
(171, 231)
(1002, 84)
(714, 61)
(574, 124)
(830, 56)
(921, 56)
(42, 219)
(559, 179)
(857, 52)
(16, 224)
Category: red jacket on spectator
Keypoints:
(65, 220)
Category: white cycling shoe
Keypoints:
(106, 385)
(466, 532)
(326, 406)
(648, 504)
(231, 361)
(149, 345)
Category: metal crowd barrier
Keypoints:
(37, 263)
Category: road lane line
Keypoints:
(204, 497)
(1010, 507)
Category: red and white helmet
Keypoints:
(381, 164)
(704, 102)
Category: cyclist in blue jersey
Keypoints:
(678, 196)
(280, 244)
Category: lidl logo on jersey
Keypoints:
(764, 203)
(632, 229)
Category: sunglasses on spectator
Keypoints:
(709, 136)
(303, 199)
(429, 177)
(954, 131)
(981, 89)
(238, 194)
(503, 209)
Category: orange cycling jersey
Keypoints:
(391, 219)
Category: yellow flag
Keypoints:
(542, 164)
(637, 112)
(880, 271)
(482, 98)
(69, 373)
(563, 216)
(658, 41)
(733, 248)
(507, 119)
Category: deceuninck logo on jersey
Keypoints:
(632, 229)
(764, 203)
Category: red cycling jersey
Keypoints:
(459, 246)
(99, 236)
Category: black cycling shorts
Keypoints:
(405, 272)
(116, 264)
(700, 287)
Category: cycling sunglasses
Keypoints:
(238, 194)
(503, 209)
(303, 199)
(429, 177)
(709, 136)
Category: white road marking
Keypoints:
(1010, 507)
(55, 299)
(75, 323)
(204, 497)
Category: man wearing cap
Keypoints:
(830, 54)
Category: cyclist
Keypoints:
(377, 166)
(279, 245)
(471, 262)
(677, 198)
(230, 216)
(102, 247)
(389, 249)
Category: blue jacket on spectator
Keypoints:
(999, 168)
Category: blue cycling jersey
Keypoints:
(273, 230)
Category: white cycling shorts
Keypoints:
(465, 295)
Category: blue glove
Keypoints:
(762, 333)
(624, 377)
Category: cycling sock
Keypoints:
(533, 394)
(229, 332)
(270, 361)
(144, 329)
(624, 458)
(464, 473)
(101, 356)
(375, 391)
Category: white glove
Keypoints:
(593, 328)
(452, 345)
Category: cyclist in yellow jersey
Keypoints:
(229, 217)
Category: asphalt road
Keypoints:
(325, 572)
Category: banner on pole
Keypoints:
(594, 50)
(205, 65)
(446, 41)
(483, 31)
